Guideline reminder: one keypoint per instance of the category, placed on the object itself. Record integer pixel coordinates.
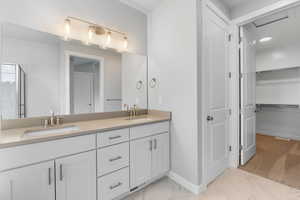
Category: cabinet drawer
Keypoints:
(113, 158)
(148, 130)
(113, 185)
(112, 137)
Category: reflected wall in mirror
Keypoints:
(42, 73)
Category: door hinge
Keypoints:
(229, 75)
(240, 40)
(241, 147)
(230, 112)
(241, 75)
(229, 37)
(230, 148)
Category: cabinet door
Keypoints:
(76, 177)
(34, 182)
(160, 155)
(140, 161)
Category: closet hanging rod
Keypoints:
(270, 22)
(278, 105)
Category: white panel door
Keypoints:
(76, 177)
(34, 182)
(248, 86)
(140, 161)
(216, 96)
(83, 88)
(160, 155)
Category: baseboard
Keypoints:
(281, 134)
(196, 189)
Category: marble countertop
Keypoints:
(15, 137)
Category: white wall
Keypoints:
(173, 61)
(42, 57)
(49, 16)
(40, 61)
(134, 69)
(279, 87)
(284, 56)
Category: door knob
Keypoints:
(209, 118)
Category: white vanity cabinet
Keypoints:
(149, 155)
(65, 167)
(102, 166)
(33, 182)
(76, 177)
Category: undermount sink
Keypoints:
(49, 131)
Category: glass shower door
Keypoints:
(12, 91)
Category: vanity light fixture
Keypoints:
(96, 33)
(67, 29)
(265, 39)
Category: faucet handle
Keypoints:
(126, 107)
(45, 123)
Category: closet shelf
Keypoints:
(277, 69)
(279, 81)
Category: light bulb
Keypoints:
(67, 29)
(108, 39)
(90, 35)
(125, 44)
(265, 39)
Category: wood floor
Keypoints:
(276, 159)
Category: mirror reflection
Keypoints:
(41, 73)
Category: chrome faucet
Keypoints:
(52, 121)
(131, 110)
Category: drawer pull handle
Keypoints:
(115, 159)
(115, 186)
(155, 144)
(114, 137)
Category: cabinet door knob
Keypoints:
(61, 172)
(49, 176)
(150, 145)
(155, 144)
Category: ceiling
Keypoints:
(283, 32)
(142, 5)
(233, 3)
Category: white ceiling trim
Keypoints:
(136, 6)
(271, 9)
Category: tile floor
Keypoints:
(278, 160)
(234, 184)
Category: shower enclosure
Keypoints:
(12, 91)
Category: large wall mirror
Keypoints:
(42, 73)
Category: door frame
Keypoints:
(234, 57)
(68, 55)
(207, 4)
